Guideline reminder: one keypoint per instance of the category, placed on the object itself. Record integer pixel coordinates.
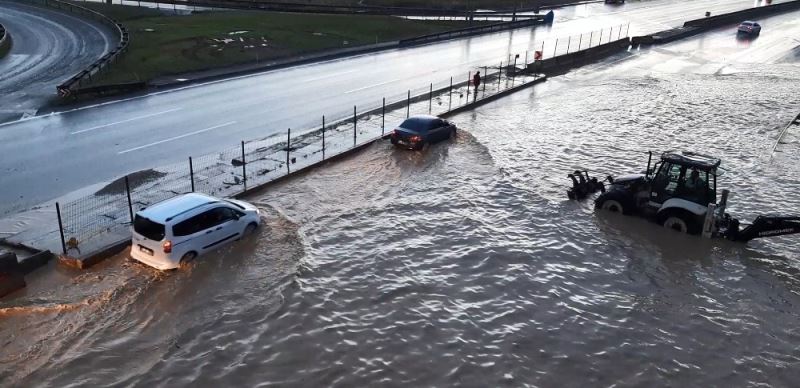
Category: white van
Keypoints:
(175, 231)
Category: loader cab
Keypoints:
(685, 176)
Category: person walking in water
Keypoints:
(476, 80)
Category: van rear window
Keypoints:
(149, 229)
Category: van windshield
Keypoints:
(149, 229)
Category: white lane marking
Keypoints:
(372, 86)
(328, 76)
(176, 137)
(124, 121)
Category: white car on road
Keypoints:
(174, 232)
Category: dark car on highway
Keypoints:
(749, 28)
(417, 131)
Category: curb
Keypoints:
(68, 87)
(92, 258)
(494, 97)
(322, 57)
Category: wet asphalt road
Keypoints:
(77, 148)
(48, 48)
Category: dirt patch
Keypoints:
(135, 180)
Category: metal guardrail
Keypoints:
(96, 220)
(69, 86)
(336, 9)
(472, 31)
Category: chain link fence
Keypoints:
(105, 216)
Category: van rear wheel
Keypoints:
(187, 258)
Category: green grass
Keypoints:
(166, 44)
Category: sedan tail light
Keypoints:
(415, 138)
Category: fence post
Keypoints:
(61, 229)
(450, 103)
(499, 75)
(542, 58)
(628, 30)
(383, 117)
(619, 32)
(580, 42)
(569, 43)
(591, 38)
(323, 137)
(130, 204)
(430, 100)
(485, 75)
(408, 105)
(468, 76)
(355, 126)
(191, 172)
(610, 31)
(244, 169)
(288, 148)
(526, 59)
(555, 49)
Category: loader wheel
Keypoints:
(681, 222)
(612, 205)
(615, 203)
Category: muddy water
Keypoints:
(465, 264)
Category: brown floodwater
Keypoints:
(465, 264)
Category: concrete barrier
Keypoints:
(697, 26)
(472, 31)
(72, 85)
(578, 58)
(16, 261)
(5, 41)
(715, 21)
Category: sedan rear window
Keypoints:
(418, 124)
(149, 229)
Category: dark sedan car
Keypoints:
(417, 131)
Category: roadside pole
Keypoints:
(408, 104)
(430, 100)
(191, 172)
(61, 229)
(450, 103)
(130, 204)
(288, 149)
(244, 169)
(355, 127)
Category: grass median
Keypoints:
(164, 43)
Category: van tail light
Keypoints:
(167, 246)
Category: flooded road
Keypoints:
(465, 264)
